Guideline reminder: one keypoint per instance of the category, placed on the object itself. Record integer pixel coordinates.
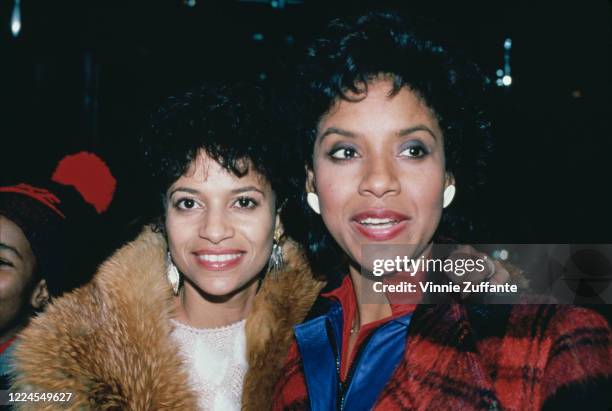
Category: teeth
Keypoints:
(377, 221)
(218, 258)
(379, 225)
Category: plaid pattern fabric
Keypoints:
(485, 358)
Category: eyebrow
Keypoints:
(184, 189)
(247, 189)
(10, 248)
(234, 191)
(336, 130)
(418, 127)
(401, 133)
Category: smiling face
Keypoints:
(220, 227)
(378, 169)
(17, 263)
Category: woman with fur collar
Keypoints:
(185, 317)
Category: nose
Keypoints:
(215, 226)
(380, 177)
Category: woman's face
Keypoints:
(220, 227)
(378, 169)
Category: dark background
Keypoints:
(86, 75)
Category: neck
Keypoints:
(373, 306)
(198, 310)
(368, 311)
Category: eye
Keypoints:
(5, 262)
(415, 151)
(343, 153)
(246, 202)
(186, 204)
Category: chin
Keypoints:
(220, 287)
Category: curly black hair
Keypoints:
(358, 50)
(231, 123)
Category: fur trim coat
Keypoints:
(109, 342)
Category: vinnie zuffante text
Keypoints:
(457, 266)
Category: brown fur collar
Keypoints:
(108, 342)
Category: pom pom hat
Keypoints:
(48, 214)
(90, 176)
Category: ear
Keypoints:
(40, 295)
(278, 225)
(449, 179)
(310, 181)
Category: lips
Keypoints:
(379, 224)
(218, 260)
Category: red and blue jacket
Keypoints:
(448, 357)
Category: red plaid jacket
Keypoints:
(523, 357)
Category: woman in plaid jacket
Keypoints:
(398, 132)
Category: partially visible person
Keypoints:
(37, 238)
(22, 291)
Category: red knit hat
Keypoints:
(49, 213)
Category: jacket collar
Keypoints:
(5, 360)
(440, 347)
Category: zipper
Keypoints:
(343, 387)
(339, 388)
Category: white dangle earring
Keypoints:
(449, 194)
(173, 275)
(313, 201)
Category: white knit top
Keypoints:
(215, 359)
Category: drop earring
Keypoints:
(276, 262)
(449, 194)
(313, 201)
(173, 275)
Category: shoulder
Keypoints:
(100, 333)
(129, 282)
(579, 341)
(554, 322)
(578, 370)
(565, 350)
(554, 356)
(536, 320)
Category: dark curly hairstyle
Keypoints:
(355, 51)
(232, 124)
